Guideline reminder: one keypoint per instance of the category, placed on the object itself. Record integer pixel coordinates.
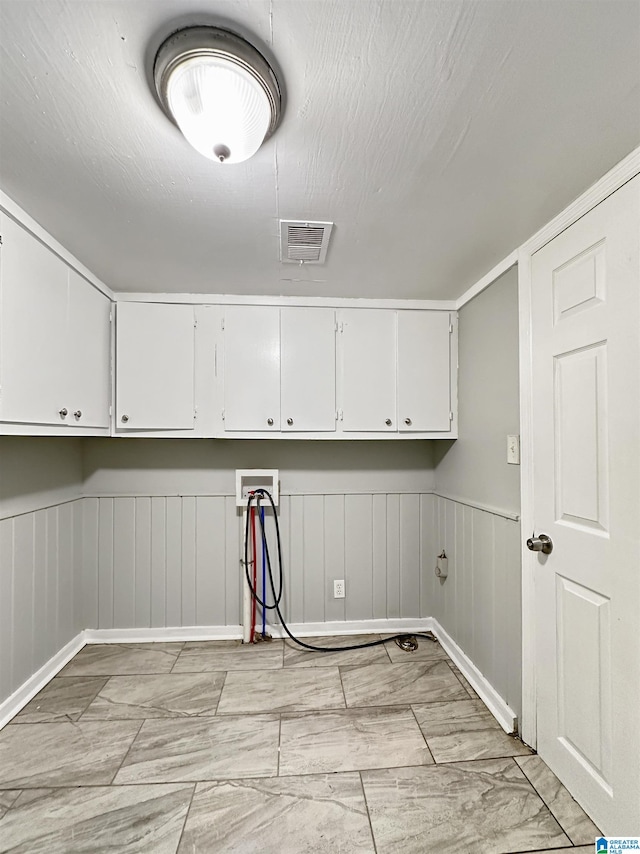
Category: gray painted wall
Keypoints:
(479, 604)
(207, 466)
(40, 547)
(38, 472)
(475, 466)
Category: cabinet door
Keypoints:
(154, 367)
(89, 344)
(308, 369)
(368, 356)
(33, 330)
(424, 370)
(252, 368)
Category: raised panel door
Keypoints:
(586, 423)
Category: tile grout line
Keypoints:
(543, 802)
(128, 751)
(366, 806)
(96, 695)
(224, 682)
(344, 693)
(186, 818)
(535, 788)
(423, 735)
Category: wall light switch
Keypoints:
(513, 450)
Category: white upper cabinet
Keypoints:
(54, 338)
(424, 370)
(88, 356)
(269, 370)
(154, 367)
(252, 368)
(279, 369)
(308, 369)
(368, 370)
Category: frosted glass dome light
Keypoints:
(219, 90)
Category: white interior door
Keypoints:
(368, 369)
(586, 463)
(424, 371)
(154, 366)
(308, 369)
(252, 368)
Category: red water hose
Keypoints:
(255, 573)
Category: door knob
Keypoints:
(63, 412)
(541, 543)
(289, 421)
(388, 422)
(270, 422)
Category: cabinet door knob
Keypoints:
(124, 419)
(63, 412)
(270, 422)
(388, 422)
(407, 421)
(77, 413)
(289, 421)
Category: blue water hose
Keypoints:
(264, 572)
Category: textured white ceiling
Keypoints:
(438, 135)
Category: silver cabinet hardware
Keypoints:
(407, 421)
(77, 413)
(541, 543)
(388, 422)
(289, 421)
(270, 422)
(124, 419)
(63, 412)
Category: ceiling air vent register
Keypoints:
(303, 242)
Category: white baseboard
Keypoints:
(505, 716)
(27, 691)
(163, 635)
(191, 633)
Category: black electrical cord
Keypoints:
(278, 597)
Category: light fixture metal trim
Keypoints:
(214, 42)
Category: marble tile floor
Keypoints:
(215, 747)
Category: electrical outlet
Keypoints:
(338, 589)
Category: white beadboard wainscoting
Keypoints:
(40, 590)
(479, 604)
(175, 561)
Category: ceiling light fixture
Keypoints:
(220, 91)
